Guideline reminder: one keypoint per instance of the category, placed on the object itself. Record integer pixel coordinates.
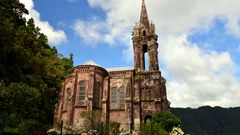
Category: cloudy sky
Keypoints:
(199, 41)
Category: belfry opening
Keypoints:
(145, 57)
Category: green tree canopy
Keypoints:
(161, 123)
(31, 71)
(167, 120)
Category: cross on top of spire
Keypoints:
(144, 16)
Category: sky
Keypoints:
(199, 41)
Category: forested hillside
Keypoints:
(209, 120)
(31, 72)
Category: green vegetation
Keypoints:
(94, 118)
(31, 73)
(92, 125)
(163, 123)
(160, 124)
(209, 120)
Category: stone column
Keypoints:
(104, 100)
(136, 102)
(154, 54)
(74, 94)
(91, 88)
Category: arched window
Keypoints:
(82, 93)
(118, 97)
(144, 33)
(96, 94)
(145, 58)
(122, 97)
(114, 98)
(67, 98)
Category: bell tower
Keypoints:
(149, 94)
(145, 41)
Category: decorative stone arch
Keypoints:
(118, 84)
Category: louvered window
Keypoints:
(122, 97)
(96, 94)
(114, 98)
(82, 93)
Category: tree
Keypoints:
(160, 124)
(31, 71)
(11, 20)
(167, 120)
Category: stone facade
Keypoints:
(125, 95)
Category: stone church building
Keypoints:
(128, 95)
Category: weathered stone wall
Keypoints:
(145, 94)
(122, 115)
(68, 108)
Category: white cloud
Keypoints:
(117, 26)
(199, 77)
(170, 17)
(93, 32)
(196, 76)
(233, 26)
(55, 37)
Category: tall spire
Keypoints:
(144, 16)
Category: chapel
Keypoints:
(128, 95)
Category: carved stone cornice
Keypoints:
(89, 69)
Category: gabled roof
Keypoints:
(119, 69)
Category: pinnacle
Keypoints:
(144, 16)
